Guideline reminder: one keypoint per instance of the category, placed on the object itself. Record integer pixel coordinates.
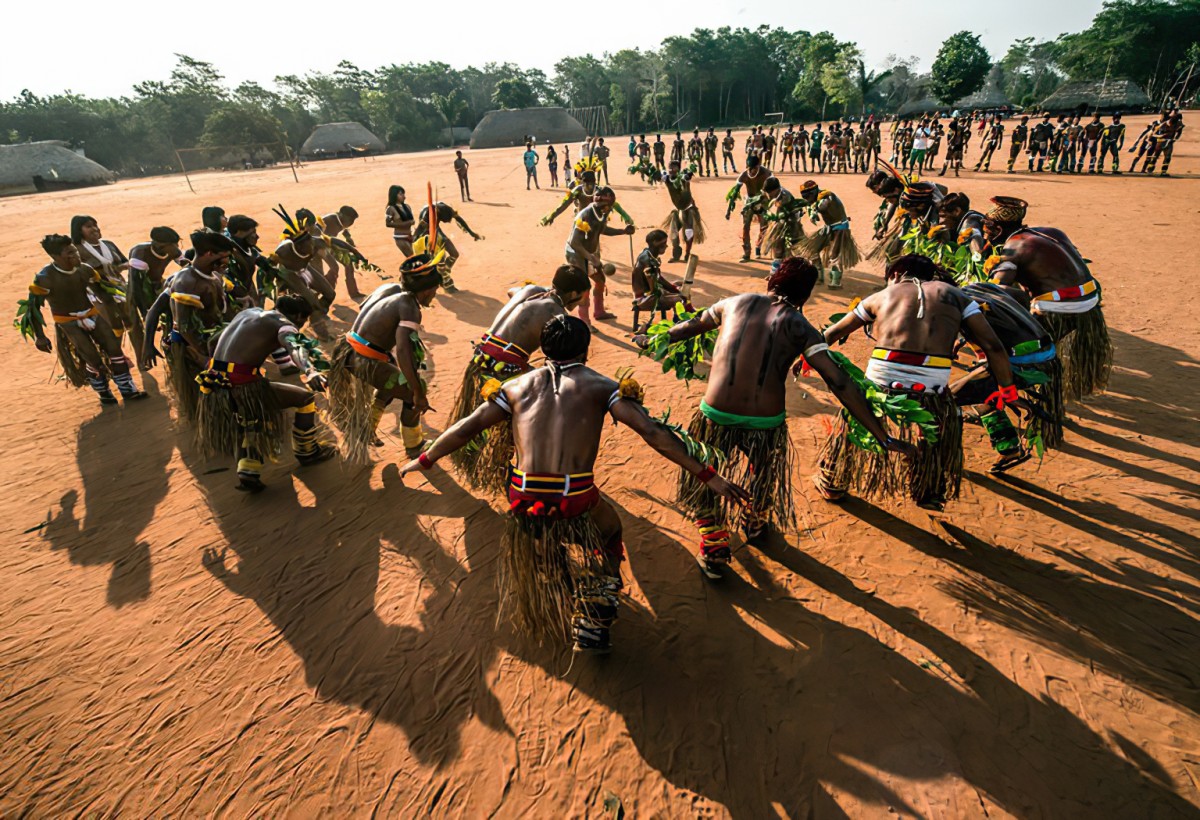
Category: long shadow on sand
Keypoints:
(122, 486)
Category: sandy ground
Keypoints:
(171, 647)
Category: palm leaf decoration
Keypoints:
(29, 319)
(704, 453)
(898, 407)
(682, 357)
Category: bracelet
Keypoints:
(425, 461)
(705, 474)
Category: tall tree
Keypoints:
(960, 67)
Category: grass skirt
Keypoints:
(680, 220)
(832, 248)
(1049, 399)
(484, 461)
(543, 561)
(351, 395)
(788, 232)
(759, 460)
(247, 414)
(74, 367)
(181, 380)
(888, 247)
(934, 475)
(1084, 348)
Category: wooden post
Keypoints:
(183, 168)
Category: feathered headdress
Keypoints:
(292, 228)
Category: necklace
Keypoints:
(158, 255)
(60, 270)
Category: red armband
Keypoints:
(704, 475)
(1003, 396)
(425, 461)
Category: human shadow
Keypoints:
(380, 616)
(471, 308)
(122, 487)
(1133, 635)
(750, 698)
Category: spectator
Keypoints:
(552, 165)
(531, 163)
(460, 168)
(601, 152)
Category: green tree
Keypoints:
(514, 92)
(960, 68)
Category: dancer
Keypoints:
(1111, 142)
(743, 412)
(106, 259)
(684, 216)
(833, 244)
(1016, 142)
(503, 354)
(583, 249)
(148, 262)
(365, 375)
(992, 140)
(444, 215)
(1066, 297)
(195, 304)
(331, 226)
(754, 177)
(651, 290)
(88, 349)
(562, 548)
(241, 412)
(914, 322)
(785, 231)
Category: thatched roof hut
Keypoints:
(991, 96)
(47, 166)
(1105, 95)
(341, 139)
(509, 128)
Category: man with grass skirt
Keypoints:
(241, 412)
(833, 244)
(1066, 298)
(917, 207)
(336, 225)
(754, 178)
(365, 375)
(785, 230)
(652, 293)
(197, 306)
(294, 263)
(583, 249)
(743, 412)
(88, 349)
(560, 567)
(915, 322)
(684, 217)
(246, 260)
(503, 354)
(148, 263)
(1036, 371)
(444, 215)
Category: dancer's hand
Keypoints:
(151, 357)
(642, 340)
(727, 489)
(43, 344)
(316, 381)
(904, 448)
(413, 466)
(421, 403)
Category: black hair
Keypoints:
(55, 243)
(346, 210)
(955, 201)
(421, 280)
(240, 222)
(294, 307)
(793, 280)
(568, 279)
(772, 184)
(206, 242)
(392, 191)
(753, 161)
(605, 193)
(304, 215)
(656, 235)
(77, 223)
(210, 217)
(565, 338)
(917, 266)
(163, 235)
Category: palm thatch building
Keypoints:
(47, 166)
(1097, 95)
(341, 139)
(509, 128)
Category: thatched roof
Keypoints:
(990, 96)
(52, 162)
(505, 129)
(1108, 95)
(334, 139)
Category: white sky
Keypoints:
(113, 45)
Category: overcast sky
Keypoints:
(111, 46)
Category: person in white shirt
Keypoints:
(916, 158)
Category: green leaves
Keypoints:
(683, 356)
(29, 319)
(898, 407)
(704, 453)
(312, 347)
(960, 68)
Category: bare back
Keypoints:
(251, 336)
(1041, 262)
(894, 311)
(521, 320)
(379, 320)
(557, 429)
(760, 339)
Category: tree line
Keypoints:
(727, 76)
